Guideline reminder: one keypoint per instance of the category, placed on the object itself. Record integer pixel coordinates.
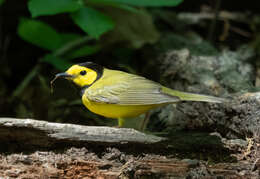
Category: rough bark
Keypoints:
(223, 75)
(236, 119)
(81, 163)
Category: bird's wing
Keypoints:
(131, 90)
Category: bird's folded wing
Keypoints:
(132, 91)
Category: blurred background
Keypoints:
(39, 38)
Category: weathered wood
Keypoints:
(237, 119)
(46, 134)
(222, 75)
(80, 163)
(28, 134)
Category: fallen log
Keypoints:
(225, 75)
(29, 134)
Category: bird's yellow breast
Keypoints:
(116, 111)
(112, 78)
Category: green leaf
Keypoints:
(51, 7)
(92, 21)
(113, 4)
(83, 51)
(1, 2)
(57, 62)
(39, 34)
(146, 3)
(126, 7)
(68, 37)
(132, 29)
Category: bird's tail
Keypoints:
(183, 96)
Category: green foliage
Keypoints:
(57, 62)
(51, 7)
(39, 34)
(83, 51)
(88, 19)
(92, 21)
(1, 2)
(136, 31)
(135, 28)
(44, 36)
(68, 37)
(143, 3)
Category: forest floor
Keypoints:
(81, 163)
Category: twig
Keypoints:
(214, 21)
(72, 45)
(241, 32)
(225, 32)
(194, 18)
(254, 164)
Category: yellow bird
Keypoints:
(120, 95)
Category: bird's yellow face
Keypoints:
(81, 76)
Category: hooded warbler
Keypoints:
(117, 94)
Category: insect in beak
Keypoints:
(60, 75)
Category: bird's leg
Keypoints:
(121, 122)
(145, 121)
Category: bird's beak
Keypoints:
(63, 75)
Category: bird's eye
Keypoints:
(83, 72)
